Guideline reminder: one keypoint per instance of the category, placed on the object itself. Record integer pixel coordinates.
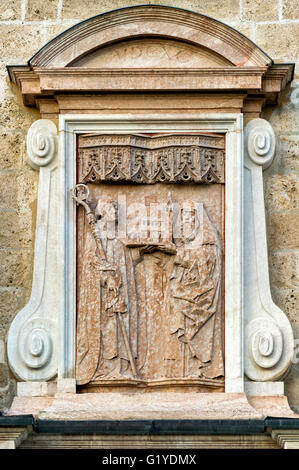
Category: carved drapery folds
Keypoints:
(150, 310)
(148, 160)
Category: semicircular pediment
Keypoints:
(151, 52)
(157, 21)
(149, 48)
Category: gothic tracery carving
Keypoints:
(145, 159)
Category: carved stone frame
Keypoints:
(59, 279)
(258, 336)
(229, 124)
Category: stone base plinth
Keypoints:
(61, 441)
(154, 405)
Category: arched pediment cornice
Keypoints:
(149, 48)
(154, 21)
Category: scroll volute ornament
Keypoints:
(32, 339)
(260, 142)
(268, 333)
(41, 143)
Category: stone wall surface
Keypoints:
(25, 25)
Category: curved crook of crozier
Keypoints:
(268, 333)
(31, 343)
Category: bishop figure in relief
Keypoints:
(149, 309)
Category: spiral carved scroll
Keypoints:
(264, 347)
(260, 142)
(35, 344)
(41, 143)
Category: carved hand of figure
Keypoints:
(164, 248)
(181, 262)
(112, 288)
(94, 263)
(100, 265)
(198, 322)
(202, 299)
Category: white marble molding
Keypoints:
(269, 343)
(41, 342)
(32, 340)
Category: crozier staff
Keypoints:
(111, 281)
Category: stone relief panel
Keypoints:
(151, 52)
(150, 261)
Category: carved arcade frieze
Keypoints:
(151, 159)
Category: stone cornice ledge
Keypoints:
(42, 81)
(15, 430)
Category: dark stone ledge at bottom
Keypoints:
(282, 423)
(16, 421)
(151, 427)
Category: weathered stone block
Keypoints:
(7, 394)
(17, 190)
(53, 30)
(73, 8)
(283, 230)
(4, 375)
(12, 145)
(260, 10)
(12, 300)
(2, 351)
(213, 8)
(285, 118)
(284, 269)
(16, 229)
(10, 10)
(279, 40)
(289, 152)
(281, 192)
(244, 27)
(15, 268)
(38, 11)
(3, 84)
(292, 381)
(290, 10)
(20, 41)
(8, 190)
(14, 116)
(288, 301)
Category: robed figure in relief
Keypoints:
(149, 310)
(193, 323)
(107, 325)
